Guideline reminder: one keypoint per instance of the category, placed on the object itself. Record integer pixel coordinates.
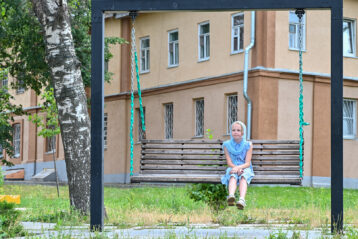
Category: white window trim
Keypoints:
(206, 34)
(15, 140)
(175, 43)
(354, 40)
(303, 34)
(354, 120)
(232, 34)
(146, 55)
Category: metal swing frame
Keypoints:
(99, 7)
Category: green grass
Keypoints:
(168, 206)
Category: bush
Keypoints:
(9, 220)
(212, 194)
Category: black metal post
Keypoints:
(337, 117)
(97, 105)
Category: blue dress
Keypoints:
(248, 173)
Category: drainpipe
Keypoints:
(246, 65)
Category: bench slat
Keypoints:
(213, 146)
(213, 141)
(215, 152)
(218, 157)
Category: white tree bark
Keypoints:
(70, 97)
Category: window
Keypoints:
(349, 118)
(231, 111)
(173, 48)
(349, 38)
(139, 120)
(237, 32)
(204, 41)
(4, 83)
(105, 129)
(20, 87)
(1, 151)
(144, 54)
(17, 140)
(294, 27)
(168, 118)
(51, 143)
(199, 117)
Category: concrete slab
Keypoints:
(47, 174)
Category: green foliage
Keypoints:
(49, 123)
(23, 48)
(9, 220)
(212, 194)
(1, 181)
(7, 112)
(209, 134)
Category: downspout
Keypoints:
(246, 65)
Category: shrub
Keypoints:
(212, 194)
(9, 220)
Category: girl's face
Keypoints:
(236, 132)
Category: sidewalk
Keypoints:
(47, 230)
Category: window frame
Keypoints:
(140, 133)
(171, 125)
(1, 152)
(196, 101)
(206, 36)
(15, 140)
(239, 33)
(228, 111)
(175, 43)
(105, 130)
(354, 37)
(296, 34)
(354, 119)
(146, 55)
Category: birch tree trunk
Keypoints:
(70, 97)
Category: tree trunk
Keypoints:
(70, 97)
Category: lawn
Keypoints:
(167, 206)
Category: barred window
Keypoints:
(199, 117)
(168, 119)
(20, 87)
(17, 140)
(51, 143)
(349, 118)
(1, 151)
(105, 130)
(139, 120)
(231, 111)
(4, 83)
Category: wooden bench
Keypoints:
(203, 161)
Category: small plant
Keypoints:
(9, 220)
(209, 134)
(212, 194)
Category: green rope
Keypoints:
(139, 92)
(301, 114)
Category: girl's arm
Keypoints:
(247, 158)
(234, 167)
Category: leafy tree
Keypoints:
(47, 43)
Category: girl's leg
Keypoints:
(232, 185)
(243, 187)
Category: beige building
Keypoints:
(191, 68)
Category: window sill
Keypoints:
(352, 56)
(198, 137)
(294, 49)
(203, 60)
(236, 52)
(50, 152)
(349, 137)
(144, 72)
(173, 66)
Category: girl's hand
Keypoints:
(240, 171)
(236, 169)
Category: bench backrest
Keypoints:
(270, 157)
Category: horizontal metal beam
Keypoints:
(209, 5)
